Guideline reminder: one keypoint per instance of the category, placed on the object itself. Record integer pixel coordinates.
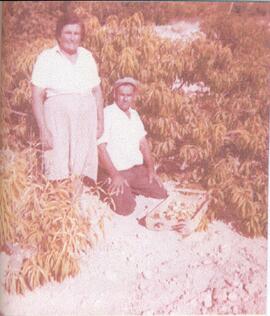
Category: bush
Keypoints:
(217, 139)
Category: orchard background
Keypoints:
(216, 139)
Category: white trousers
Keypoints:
(72, 120)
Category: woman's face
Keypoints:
(70, 38)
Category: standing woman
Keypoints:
(68, 104)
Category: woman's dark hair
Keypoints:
(69, 19)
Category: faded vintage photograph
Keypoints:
(134, 147)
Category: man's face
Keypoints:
(70, 38)
(125, 97)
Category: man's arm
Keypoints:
(117, 181)
(100, 118)
(148, 160)
(38, 96)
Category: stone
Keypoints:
(235, 310)
(250, 288)
(237, 283)
(110, 276)
(215, 294)
(203, 310)
(224, 295)
(206, 261)
(142, 286)
(147, 274)
(223, 309)
(147, 313)
(232, 296)
(208, 299)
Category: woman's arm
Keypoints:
(100, 119)
(38, 95)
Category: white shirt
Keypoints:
(55, 73)
(122, 134)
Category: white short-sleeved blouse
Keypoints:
(54, 72)
(122, 134)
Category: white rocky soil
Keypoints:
(136, 271)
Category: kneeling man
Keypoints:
(125, 162)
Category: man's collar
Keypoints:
(57, 49)
(115, 104)
(131, 110)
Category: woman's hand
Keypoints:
(117, 184)
(46, 139)
(100, 129)
(38, 96)
(100, 115)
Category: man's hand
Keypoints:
(186, 227)
(117, 184)
(46, 139)
(153, 176)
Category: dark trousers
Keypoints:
(137, 178)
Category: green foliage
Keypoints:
(219, 137)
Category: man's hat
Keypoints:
(126, 80)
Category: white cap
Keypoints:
(126, 80)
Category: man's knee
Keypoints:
(159, 192)
(163, 193)
(124, 202)
(125, 208)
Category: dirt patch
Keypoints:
(181, 30)
(141, 272)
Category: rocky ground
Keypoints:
(135, 271)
